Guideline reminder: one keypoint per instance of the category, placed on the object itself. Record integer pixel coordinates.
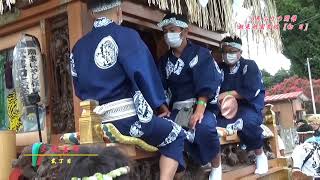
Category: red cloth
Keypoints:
(39, 161)
(16, 174)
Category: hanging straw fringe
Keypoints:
(217, 15)
(8, 3)
(1, 7)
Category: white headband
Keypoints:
(173, 21)
(232, 44)
(106, 7)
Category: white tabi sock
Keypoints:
(216, 173)
(262, 164)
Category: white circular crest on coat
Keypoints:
(106, 53)
(143, 109)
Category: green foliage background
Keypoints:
(300, 45)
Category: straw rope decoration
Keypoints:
(13, 112)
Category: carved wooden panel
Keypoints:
(60, 80)
(24, 4)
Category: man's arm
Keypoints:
(74, 73)
(252, 84)
(207, 81)
(139, 65)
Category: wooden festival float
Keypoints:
(59, 24)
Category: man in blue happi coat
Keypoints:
(192, 80)
(111, 64)
(243, 80)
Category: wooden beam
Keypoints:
(249, 170)
(44, 30)
(32, 16)
(273, 174)
(274, 140)
(148, 17)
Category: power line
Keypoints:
(313, 17)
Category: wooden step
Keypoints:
(249, 170)
(271, 172)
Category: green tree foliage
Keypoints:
(300, 44)
(267, 79)
(270, 81)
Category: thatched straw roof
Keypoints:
(217, 16)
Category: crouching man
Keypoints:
(243, 81)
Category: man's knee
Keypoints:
(205, 131)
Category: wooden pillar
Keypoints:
(274, 140)
(44, 26)
(271, 124)
(79, 24)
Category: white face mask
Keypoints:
(173, 39)
(231, 58)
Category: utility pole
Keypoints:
(311, 87)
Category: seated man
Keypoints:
(242, 80)
(298, 123)
(189, 73)
(111, 64)
(306, 156)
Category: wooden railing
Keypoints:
(277, 167)
(90, 135)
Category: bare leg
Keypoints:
(168, 168)
(216, 172)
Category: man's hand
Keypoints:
(198, 114)
(195, 118)
(222, 96)
(233, 93)
(164, 111)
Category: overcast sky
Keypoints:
(266, 58)
(269, 59)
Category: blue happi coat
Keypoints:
(194, 74)
(246, 79)
(111, 63)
